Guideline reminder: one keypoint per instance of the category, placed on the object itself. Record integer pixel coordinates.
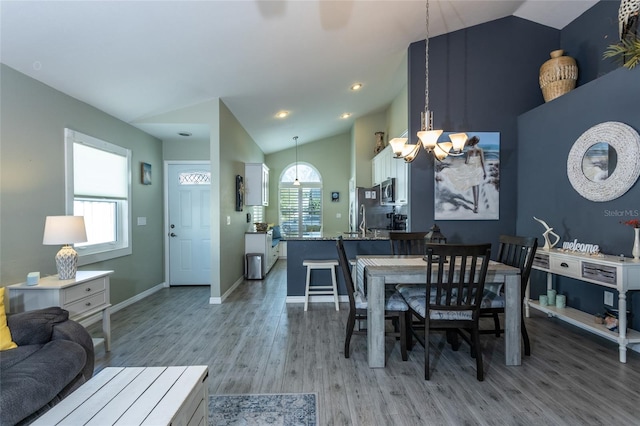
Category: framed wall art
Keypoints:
(239, 193)
(467, 187)
(145, 173)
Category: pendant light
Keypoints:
(296, 182)
(427, 136)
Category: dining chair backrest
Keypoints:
(458, 283)
(346, 272)
(405, 243)
(518, 252)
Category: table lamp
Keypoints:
(65, 230)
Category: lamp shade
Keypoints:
(64, 230)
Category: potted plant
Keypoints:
(626, 51)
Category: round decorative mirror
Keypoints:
(599, 162)
(604, 162)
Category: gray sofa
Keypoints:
(53, 358)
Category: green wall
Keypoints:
(331, 157)
(237, 148)
(32, 176)
(364, 130)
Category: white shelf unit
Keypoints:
(603, 270)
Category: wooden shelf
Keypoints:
(585, 321)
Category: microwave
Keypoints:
(388, 191)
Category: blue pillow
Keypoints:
(276, 232)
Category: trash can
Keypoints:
(254, 269)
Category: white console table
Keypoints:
(606, 271)
(83, 296)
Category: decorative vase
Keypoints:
(379, 142)
(636, 244)
(558, 75)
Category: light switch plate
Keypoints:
(608, 298)
(228, 220)
(142, 221)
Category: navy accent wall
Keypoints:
(588, 36)
(485, 78)
(546, 135)
(481, 79)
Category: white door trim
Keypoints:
(167, 163)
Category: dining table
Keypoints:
(374, 273)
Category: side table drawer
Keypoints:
(86, 304)
(567, 267)
(77, 292)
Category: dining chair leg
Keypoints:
(426, 349)
(496, 323)
(402, 319)
(478, 353)
(409, 328)
(351, 322)
(525, 338)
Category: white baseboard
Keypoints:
(115, 308)
(219, 300)
(317, 299)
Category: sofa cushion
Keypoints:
(18, 354)
(277, 234)
(6, 341)
(35, 327)
(34, 382)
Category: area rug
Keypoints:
(285, 409)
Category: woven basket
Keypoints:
(261, 226)
(558, 75)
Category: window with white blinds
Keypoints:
(99, 188)
(301, 206)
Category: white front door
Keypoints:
(189, 230)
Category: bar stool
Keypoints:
(321, 289)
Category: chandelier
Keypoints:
(427, 136)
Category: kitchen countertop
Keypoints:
(349, 236)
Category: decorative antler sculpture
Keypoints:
(547, 243)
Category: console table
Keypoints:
(85, 295)
(603, 270)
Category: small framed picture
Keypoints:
(145, 173)
(335, 196)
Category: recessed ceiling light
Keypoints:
(185, 134)
(282, 114)
(346, 115)
(356, 86)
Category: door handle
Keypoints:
(172, 234)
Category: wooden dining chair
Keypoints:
(513, 251)
(455, 282)
(396, 309)
(407, 242)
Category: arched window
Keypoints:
(300, 207)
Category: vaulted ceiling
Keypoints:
(137, 59)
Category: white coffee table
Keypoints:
(136, 396)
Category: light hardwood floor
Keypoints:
(255, 343)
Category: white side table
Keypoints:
(85, 295)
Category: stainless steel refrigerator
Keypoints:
(367, 201)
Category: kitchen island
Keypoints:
(300, 249)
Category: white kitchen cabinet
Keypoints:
(256, 184)
(262, 242)
(401, 173)
(385, 166)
